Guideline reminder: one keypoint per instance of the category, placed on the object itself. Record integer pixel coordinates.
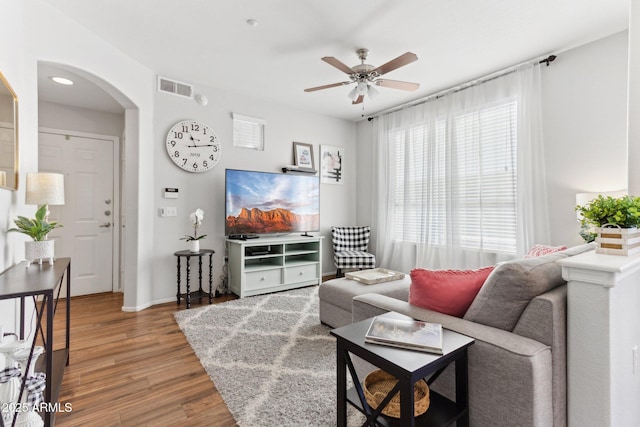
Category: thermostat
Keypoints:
(170, 193)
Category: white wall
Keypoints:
(206, 190)
(12, 202)
(365, 179)
(584, 107)
(584, 101)
(634, 98)
(64, 117)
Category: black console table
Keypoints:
(43, 281)
(200, 292)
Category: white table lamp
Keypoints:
(45, 189)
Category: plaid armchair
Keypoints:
(350, 245)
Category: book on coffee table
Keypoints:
(407, 334)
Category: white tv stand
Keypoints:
(270, 264)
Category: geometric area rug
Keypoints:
(269, 356)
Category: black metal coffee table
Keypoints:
(408, 367)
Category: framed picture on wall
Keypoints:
(331, 164)
(303, 155)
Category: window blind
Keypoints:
(454, 180)
(248, 132)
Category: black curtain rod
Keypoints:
(548, 60)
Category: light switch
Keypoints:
(168, 211)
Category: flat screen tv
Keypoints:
(270, 203)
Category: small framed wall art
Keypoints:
(303, 155)
(331, 164)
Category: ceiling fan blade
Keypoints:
(339, 65)
(312, 89)
(396, 84)
(400, 61)
(359, 100)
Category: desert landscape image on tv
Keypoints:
(267, 203)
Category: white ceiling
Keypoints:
(209, 43)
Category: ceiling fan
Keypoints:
(367, 76)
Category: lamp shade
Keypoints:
(361, 89)
(353, 95)
(45, 189)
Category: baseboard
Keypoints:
(147, 305)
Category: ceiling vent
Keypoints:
(174, 87)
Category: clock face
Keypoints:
(193, 146)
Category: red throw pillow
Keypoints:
(539, 250)
(446, 291)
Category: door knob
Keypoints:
(106, 225)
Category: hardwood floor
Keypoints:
(133, 369)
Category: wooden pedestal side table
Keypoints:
(188, 295)
(408, 367)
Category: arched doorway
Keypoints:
(88, 115)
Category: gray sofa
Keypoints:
(517, 365)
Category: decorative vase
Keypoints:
(29, 418)
(194, 245)
(39, 250)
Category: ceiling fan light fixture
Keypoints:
(362, 88)
(366, 76)
(353, 95)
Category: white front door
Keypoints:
(88, 213)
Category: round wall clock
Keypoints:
(193, 146)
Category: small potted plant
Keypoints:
(37, 228)
(196, 218)
(616, 221)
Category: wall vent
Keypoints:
(174, 87)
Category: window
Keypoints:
(248, 132)
(454, 180)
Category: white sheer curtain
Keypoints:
(460, 180)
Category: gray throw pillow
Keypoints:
(512, 284)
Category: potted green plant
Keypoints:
(616, 222)
(37, 228)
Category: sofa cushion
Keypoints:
(336, 296)
(539, 250)
(446, 291)
(512, 284)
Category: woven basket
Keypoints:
(379, 383)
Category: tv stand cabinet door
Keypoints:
(301, 274)
(262, 280)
